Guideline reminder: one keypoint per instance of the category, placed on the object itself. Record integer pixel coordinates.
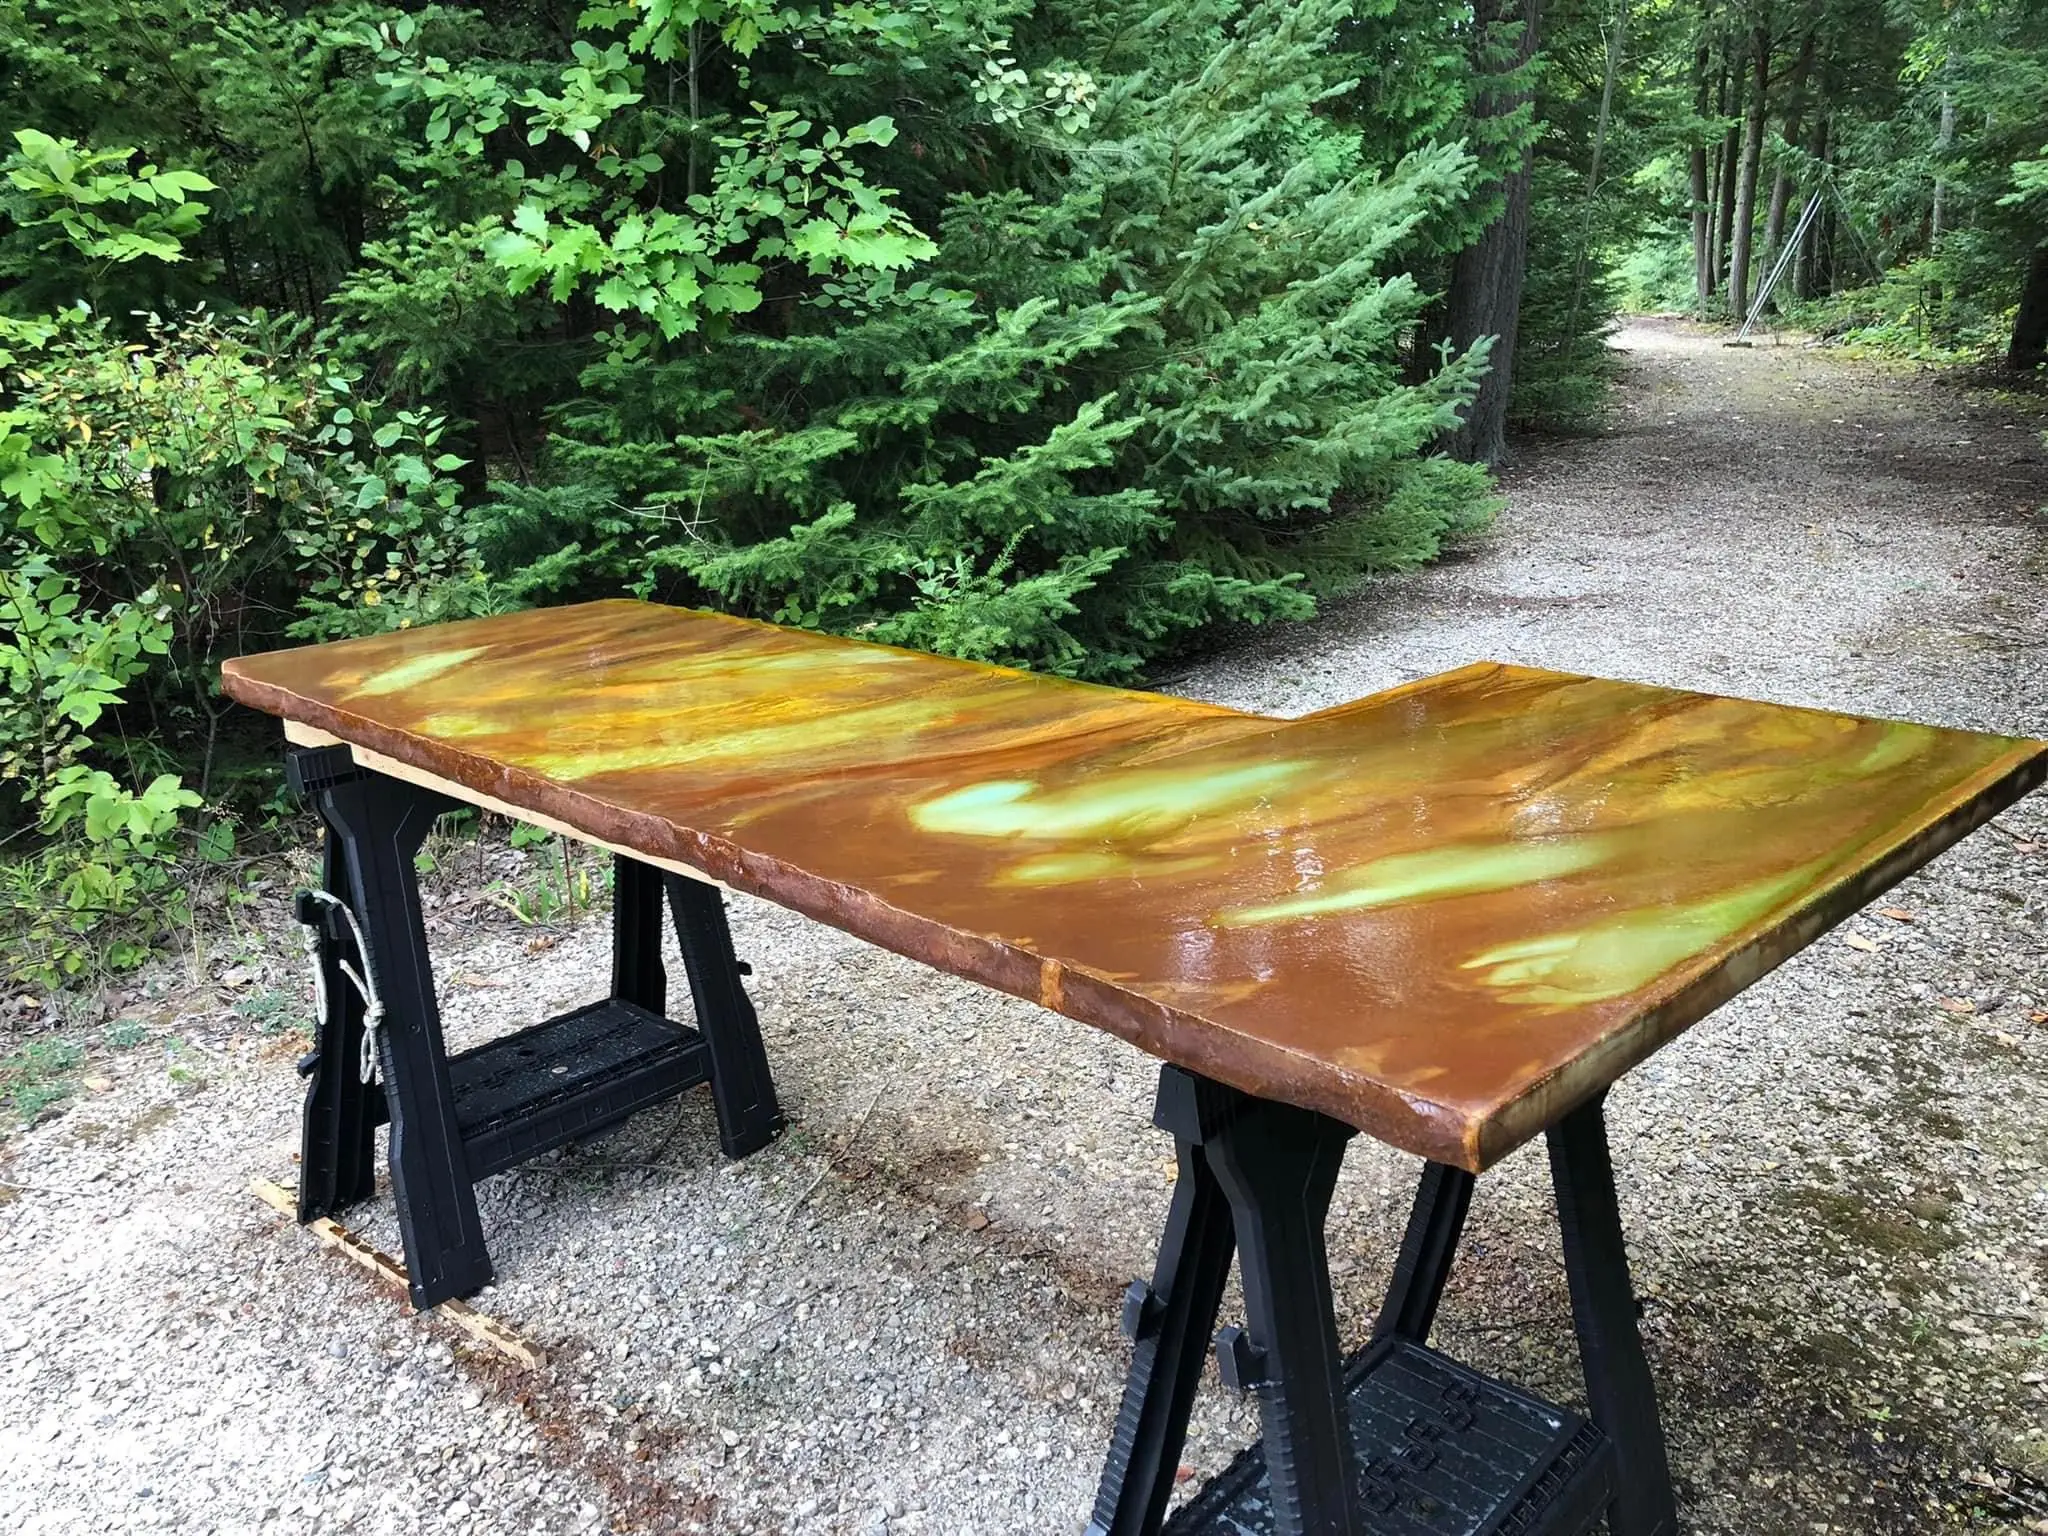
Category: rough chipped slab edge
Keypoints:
(312, 736)
(482, 1327)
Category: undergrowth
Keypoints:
(35, 1076)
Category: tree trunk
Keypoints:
(1824, 250)
(1804, 261)
(1937, 291)
(1702, 226)
(1724, 202)
(1745, 187)
(2029, 349)
(1616, 41)
(1485, 296)
(1781, 183)
(1731, 148)
(1942, 140)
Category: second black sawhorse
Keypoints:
(1399, 1440)
(379, 1053)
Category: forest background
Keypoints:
(1055, 335)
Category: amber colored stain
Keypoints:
(1445, 913)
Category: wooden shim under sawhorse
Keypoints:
(484, 1329)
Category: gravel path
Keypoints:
(901, 1319)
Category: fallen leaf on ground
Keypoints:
(2038, 1016)
(1857, 941)
(1897, 914)
(2010, 1042)
(472, 979)
(542, 942)
(1957, 1005)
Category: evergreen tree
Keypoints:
(1155, 390)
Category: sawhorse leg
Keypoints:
(381, 823)
(1428, 1248)
(1255, 1176)
(1619, 1388)
(638, 976)
(338, 1137)
(1278, 1167)
(742, 1088)
(1171, 1320)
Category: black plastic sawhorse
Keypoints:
(455, 1120)
(1399, 1440)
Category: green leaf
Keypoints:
(177, 183)
(617, 294)
(216, 842)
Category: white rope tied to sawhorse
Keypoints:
(365, 981)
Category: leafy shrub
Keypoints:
(107, 853)
(62, 666)
(1918, 310)
(1656, 275)
(134, 479)
(386, 543)
(76, 213)
(108, 884)
(162, 470)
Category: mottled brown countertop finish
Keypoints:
(1446, 913)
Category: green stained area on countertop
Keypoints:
(1432, 873)
(416, 671)
(1624, 952)
(1133, 803)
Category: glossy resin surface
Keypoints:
(1446, 913)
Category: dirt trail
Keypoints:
(902, 1318)
(1777, 522)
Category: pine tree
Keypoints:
(1157, 389)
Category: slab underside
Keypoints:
(301, 735)
(1445, 914)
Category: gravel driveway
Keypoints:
(902, 1318)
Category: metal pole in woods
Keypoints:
(1763, 294)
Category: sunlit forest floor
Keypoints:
(902, 1318)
